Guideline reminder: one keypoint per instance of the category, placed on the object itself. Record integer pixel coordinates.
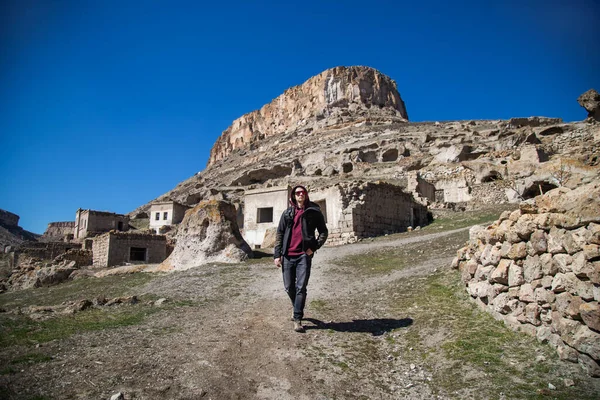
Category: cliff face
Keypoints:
(361, 92)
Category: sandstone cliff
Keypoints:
(363, 91)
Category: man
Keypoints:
(295, 245)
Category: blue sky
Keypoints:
(108, 104)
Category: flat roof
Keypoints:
(267, 190)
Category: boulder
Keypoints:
(208, 234)
(590, 100)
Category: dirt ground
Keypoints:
(225, 333)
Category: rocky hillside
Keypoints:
(350, 124)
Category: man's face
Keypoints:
(300, 195)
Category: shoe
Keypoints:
(298, 326)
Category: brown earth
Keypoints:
(225, 333)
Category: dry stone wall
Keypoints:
(538, 269)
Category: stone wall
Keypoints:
(8, 218)
(490, 192)
(538, 269)
(80, 256)
(114, 248)
(44, 251)
(374, 209)
(91, 223)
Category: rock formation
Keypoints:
(538, 269)
(362, 91)
(208, 233)
(590, 100)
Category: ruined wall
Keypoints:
(45, 251)
(374, 209)
(490, 192)
(58, 230)
(8, 218)
(114, 248)
(386, 209)
(80, 256)
(538, 269)
(416, 184)
(100, 248)
(455, 190)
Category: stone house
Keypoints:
(166, 213)
(262, 210)
(91, 223)
(116, 248)
(352, 211)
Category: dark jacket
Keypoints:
(312, 220)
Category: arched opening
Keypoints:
(492, 176)
(537, 188)
(389, 155)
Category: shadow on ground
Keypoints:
(376, 327)
(261, 254)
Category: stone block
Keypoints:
(547, 264)
(500, 273)
(532, 268)
(590, 314)
(554, 240)
(515, 275)
(517, 251)
(526, 293)
(564, 282)
(568, 305)
(538, 243)
(562, 262)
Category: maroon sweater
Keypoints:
(295, 248)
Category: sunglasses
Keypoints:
(300, 192)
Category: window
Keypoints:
(165, 214)
(264, 215)
(137, 254)
(157, 216)
(119, 226)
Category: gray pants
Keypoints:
(296, 271)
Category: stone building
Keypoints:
(360, 210)
(262, 210)
(91, 223)
(352, 211)
(166, 213)
(115, 248)
(420, 187)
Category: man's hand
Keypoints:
(278, 261)
(309, 252)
